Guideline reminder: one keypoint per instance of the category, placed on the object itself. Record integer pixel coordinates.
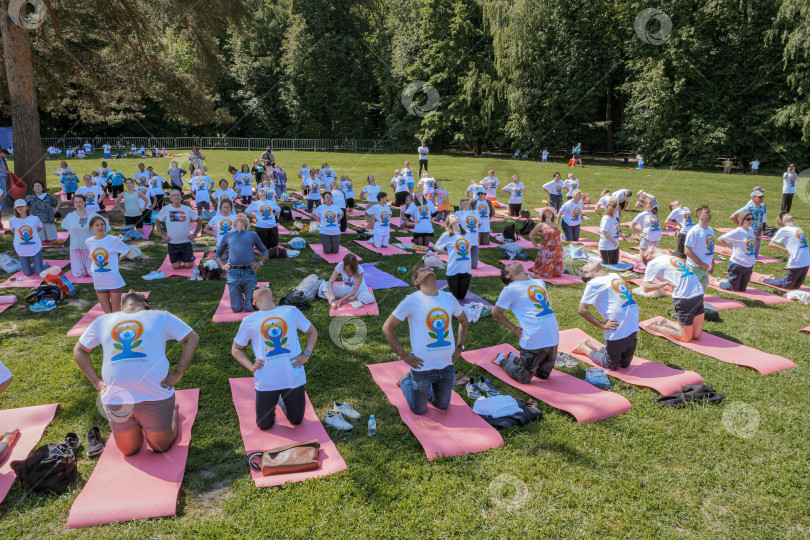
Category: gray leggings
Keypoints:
(35, 260)
(330, 243)
(474, 256)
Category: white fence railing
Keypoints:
(226, 143)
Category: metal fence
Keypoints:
(225, 143)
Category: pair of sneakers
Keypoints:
(335, 418)
(195, 275)
(95, 444)
(154, 274)
(46, 304)
(476, 390)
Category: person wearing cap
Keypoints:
(27, 243)
(756, 206)
(483, 210)
(4, 172)
(268, 158)
(241, 266)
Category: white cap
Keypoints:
(20, 203)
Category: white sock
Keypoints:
(498, 359)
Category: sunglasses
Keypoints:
(749, 218)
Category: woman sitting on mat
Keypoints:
(222, 223)
(406, 221)
(105, 252)
(549, 260)
(354, 287)
(741, 263)
(455, 242)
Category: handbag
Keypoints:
(293, 458)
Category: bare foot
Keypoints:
(9, 437)
(582, 348)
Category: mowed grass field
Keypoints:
(652, 472)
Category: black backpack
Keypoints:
(295, 298)
(509, 232)
(43, 291)
(285, 215)
(51, 467)
(527, 226)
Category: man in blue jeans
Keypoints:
(241, 265)
(434, 349)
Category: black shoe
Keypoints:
(72, 441)
(95, 444)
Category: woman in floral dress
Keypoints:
(549, 261)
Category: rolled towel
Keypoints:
(8, 299)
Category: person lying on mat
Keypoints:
(7, 438)
(242, 265)
(434, 349)
(537, 327)
(687, 293)
(178, 236)
(136, 386)
(741, 263)
(278, 368)
(795, 243)
(353, 289)
(611, 297)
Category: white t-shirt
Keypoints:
(612, 299)
(515, 191)
(702, 243)
(430, 320)
(620, 196)
(274, 337)
(347, 187)
(106, 148)
(222, 225)
(224, 195)
(383, 215)
(529, 301)
(140, 174)
(315, 187)
(789, 183)
(570, 184)
(427, 185)
(755, 165)
(146, 192)
(555, 187)
(200, 186)
(61, 172)
(371, 193)
(245, 183)
(481, 208)
(795, 241)
(421, 214)
(571, 212)
(178, 222)
(472, 190)
(609, 225)
(491, 183)
(156, 186)
(742, 246)
(94, 195)
(104, 261)
(327, 175)
(407, 174)
(458, 252)
(330, 219)
(304, 173)
(79, 229)
(607, 199)
(471, 223)
(5, 374)
(649, 225)
(264, 212)
(399, 183)
(674, 270)
(26, 237)
(683, 216)
(87, 147)
(338, 199)
(134, 346)
(348, 280)
(100, 181)
(423, 152)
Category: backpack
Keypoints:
(51, 467)
(527, 226)
(295, 298)
(509, 232)
(277, 252)
(209, 271)
(46, 290)
(309, 287)
(285, 215)
(525, 214)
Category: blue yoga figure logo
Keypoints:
(265, 211)
(539, 297)
(102, 260)
(26, 235)
(750, 244)
(274, 331)
(709, 244)
(471, 223)
(385, 217)
(654, 227)
(225, 226)
(463, 249)
(623, 291)
(331, 218)
(802, 239)
(681, 267)
(423, 212)
(126, 337)
(438, 324)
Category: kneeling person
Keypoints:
(687, 295)
(177, 217)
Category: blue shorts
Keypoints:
(410, 185)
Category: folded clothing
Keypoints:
(701, 393)
(496, 406)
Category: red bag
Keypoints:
(16, 186)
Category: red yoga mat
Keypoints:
(346, 310)
(281, 434)
(224, 313)
(144, 485)
(89, 317)
(455, 432)
(387, 250)
(753, 294)
(728, 351)
(584, 401)
(166, 267)
(719, 303)
(663, 379)
(31, 421)
(332, 258)
(19, 281)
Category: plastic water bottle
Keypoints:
(372, 426)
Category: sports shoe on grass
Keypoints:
(154, 275)
(345, 410)
(565, 360)
(338, 422)
(472, 390)
(95, 444)
(486, 386)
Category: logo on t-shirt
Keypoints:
(654, 224)
(274, 331)
(264, 210)
(802, 238)
(126, 337)
(463, 249)
(26, 235)
(681, 267)
(423, 212)
(750, 243)
(559, 190)
(471, 223)
(385, 217)
(577, 212)
(538, 295)
(91, 197)
(102, 260)
(401, 181)
(709, 244)
(176, 216)
(483, 210)
(153, 183)
(613, 201)
(348, 186)
(330, 217)
(687, 216)
(518, 192)
(315, 187)
(142, 190)
(438, 324)
(623, 291)
(225, 226)
(224, 197)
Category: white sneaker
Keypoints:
(346, 410)
(154, 275)
(338, 422)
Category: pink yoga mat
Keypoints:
(387, 250)
(728, 351)
(408, 241)
(455, 432)
(805, 330)
(31, 421)
(19, 281)
(170, 272)
(332, 258)
(663, 379)
(281, 434)
(528, 267)
(760, 259)
(224, 313)
(357, 223)
(519, 240)
(753, 294)
(584, 401)
(346, 310)
(760, 278)
(720, 303)
(74, 280)
(61, 235)
(483, 270)
(282, 229)
(89, 317)
(145, 485)
(584, 242)
(590, 229)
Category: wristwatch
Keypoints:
(460, 345)
(307, 352)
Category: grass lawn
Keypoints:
(652, 472)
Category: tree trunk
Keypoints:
(29, 156)
(609, 121)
